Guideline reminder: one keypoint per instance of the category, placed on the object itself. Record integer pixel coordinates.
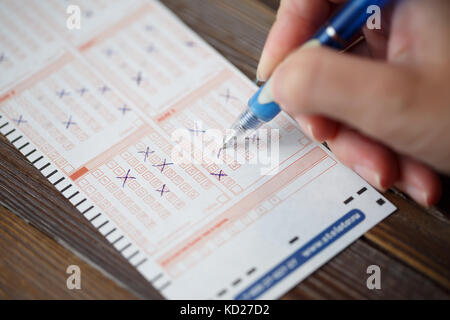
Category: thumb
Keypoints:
(371, 96)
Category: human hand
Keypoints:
(384, 110)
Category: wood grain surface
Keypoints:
(33, 266)
(411, 246)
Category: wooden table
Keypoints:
(41, 233)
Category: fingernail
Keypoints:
(266, 95)
(261, 71)
(371, 176)
(417, 194)
(258, 76)
(310, 132)
(312, 44)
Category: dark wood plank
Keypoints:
(33, 266)
(273, 4)
(443, 208)
(345, 278)
(238, 29)
(418, 237)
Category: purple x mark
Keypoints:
(62, 93)
(146, 153)
(104, 89)
(126, 177)
(108, 52)
(190, 43)
(196, 129)
(218, 153)
(219, 175)
(150, 48)
(2, 57)
(69, 122)
(20, 120)
(163, 190)
(82, 91)
(138, 78)
(124, 109)
(163, 165)
(228, 96)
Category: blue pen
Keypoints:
(335, 34)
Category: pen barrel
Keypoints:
(347, 22)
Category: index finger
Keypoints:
(296, 22)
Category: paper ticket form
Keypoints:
(95, 108)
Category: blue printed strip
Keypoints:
(302, 255)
